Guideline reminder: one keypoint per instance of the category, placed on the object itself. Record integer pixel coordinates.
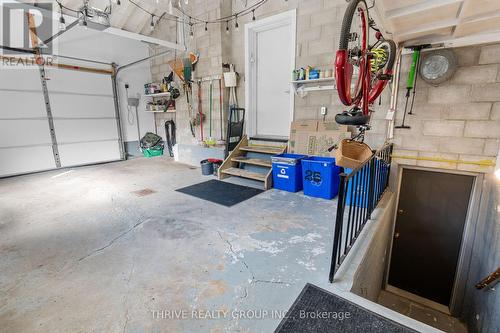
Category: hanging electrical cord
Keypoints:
(130, 114)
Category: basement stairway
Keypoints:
(251, 159)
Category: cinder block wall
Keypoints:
(457, 120)
(318, 31)
(209, 44)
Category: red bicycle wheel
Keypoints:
(351, 58)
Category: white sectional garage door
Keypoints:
(25, 143)
(84, 117)
(83, 113)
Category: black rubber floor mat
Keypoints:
(318, 311)
(222, 193)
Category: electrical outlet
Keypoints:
(323, 110)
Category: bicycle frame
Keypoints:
(344, 70)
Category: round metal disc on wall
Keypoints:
(437, 66)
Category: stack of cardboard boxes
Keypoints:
(313, 137)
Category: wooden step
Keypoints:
(263, 150)
(245, 174)
(252, 161)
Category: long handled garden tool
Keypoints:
(200, 111)
(221, 113)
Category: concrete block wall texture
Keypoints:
(457, 120)
(317, 35)
(209, 45)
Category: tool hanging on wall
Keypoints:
(192, 120)
(200, 116)
(411, 83)
(210, 141)
(221, 113)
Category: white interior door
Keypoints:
(270, 45)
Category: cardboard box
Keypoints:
(312, 137)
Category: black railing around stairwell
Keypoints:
(360, 190)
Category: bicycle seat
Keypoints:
(356, 118)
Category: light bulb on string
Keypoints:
(206, 26)
(253, 14)
(227, 27)
(62, 21)
(236, 25)
(191, 31)
(152, 24)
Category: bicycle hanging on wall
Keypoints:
(362, 71)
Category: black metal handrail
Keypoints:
(360, 189)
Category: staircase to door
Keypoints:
(251, 160)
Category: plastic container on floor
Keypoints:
(320, 176)
(287, 172)
(152, 152)
(207, 167)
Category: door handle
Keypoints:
(396, 235)
(400, 211)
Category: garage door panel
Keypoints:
(15, 161)
(20, 79)
(81, 106)
(23, 132)
(79, 82)
(22, 104)
(88, 152)
(78, 130)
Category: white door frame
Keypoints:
(251, 30)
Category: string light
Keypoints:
(191, 31)
(83, 21)
(62, 21)
(251, 9)
(236, 25)
(152, 24)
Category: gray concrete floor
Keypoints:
(85, 250)
(421, 313)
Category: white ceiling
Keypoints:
(450, 22)
(126, 16)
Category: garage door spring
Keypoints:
(170, 136)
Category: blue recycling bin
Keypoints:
(287, 172)
(361, 186)
(320, 176)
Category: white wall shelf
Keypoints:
(163, 94)
(302, 87)
(161, 111)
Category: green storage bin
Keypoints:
(152, 152)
